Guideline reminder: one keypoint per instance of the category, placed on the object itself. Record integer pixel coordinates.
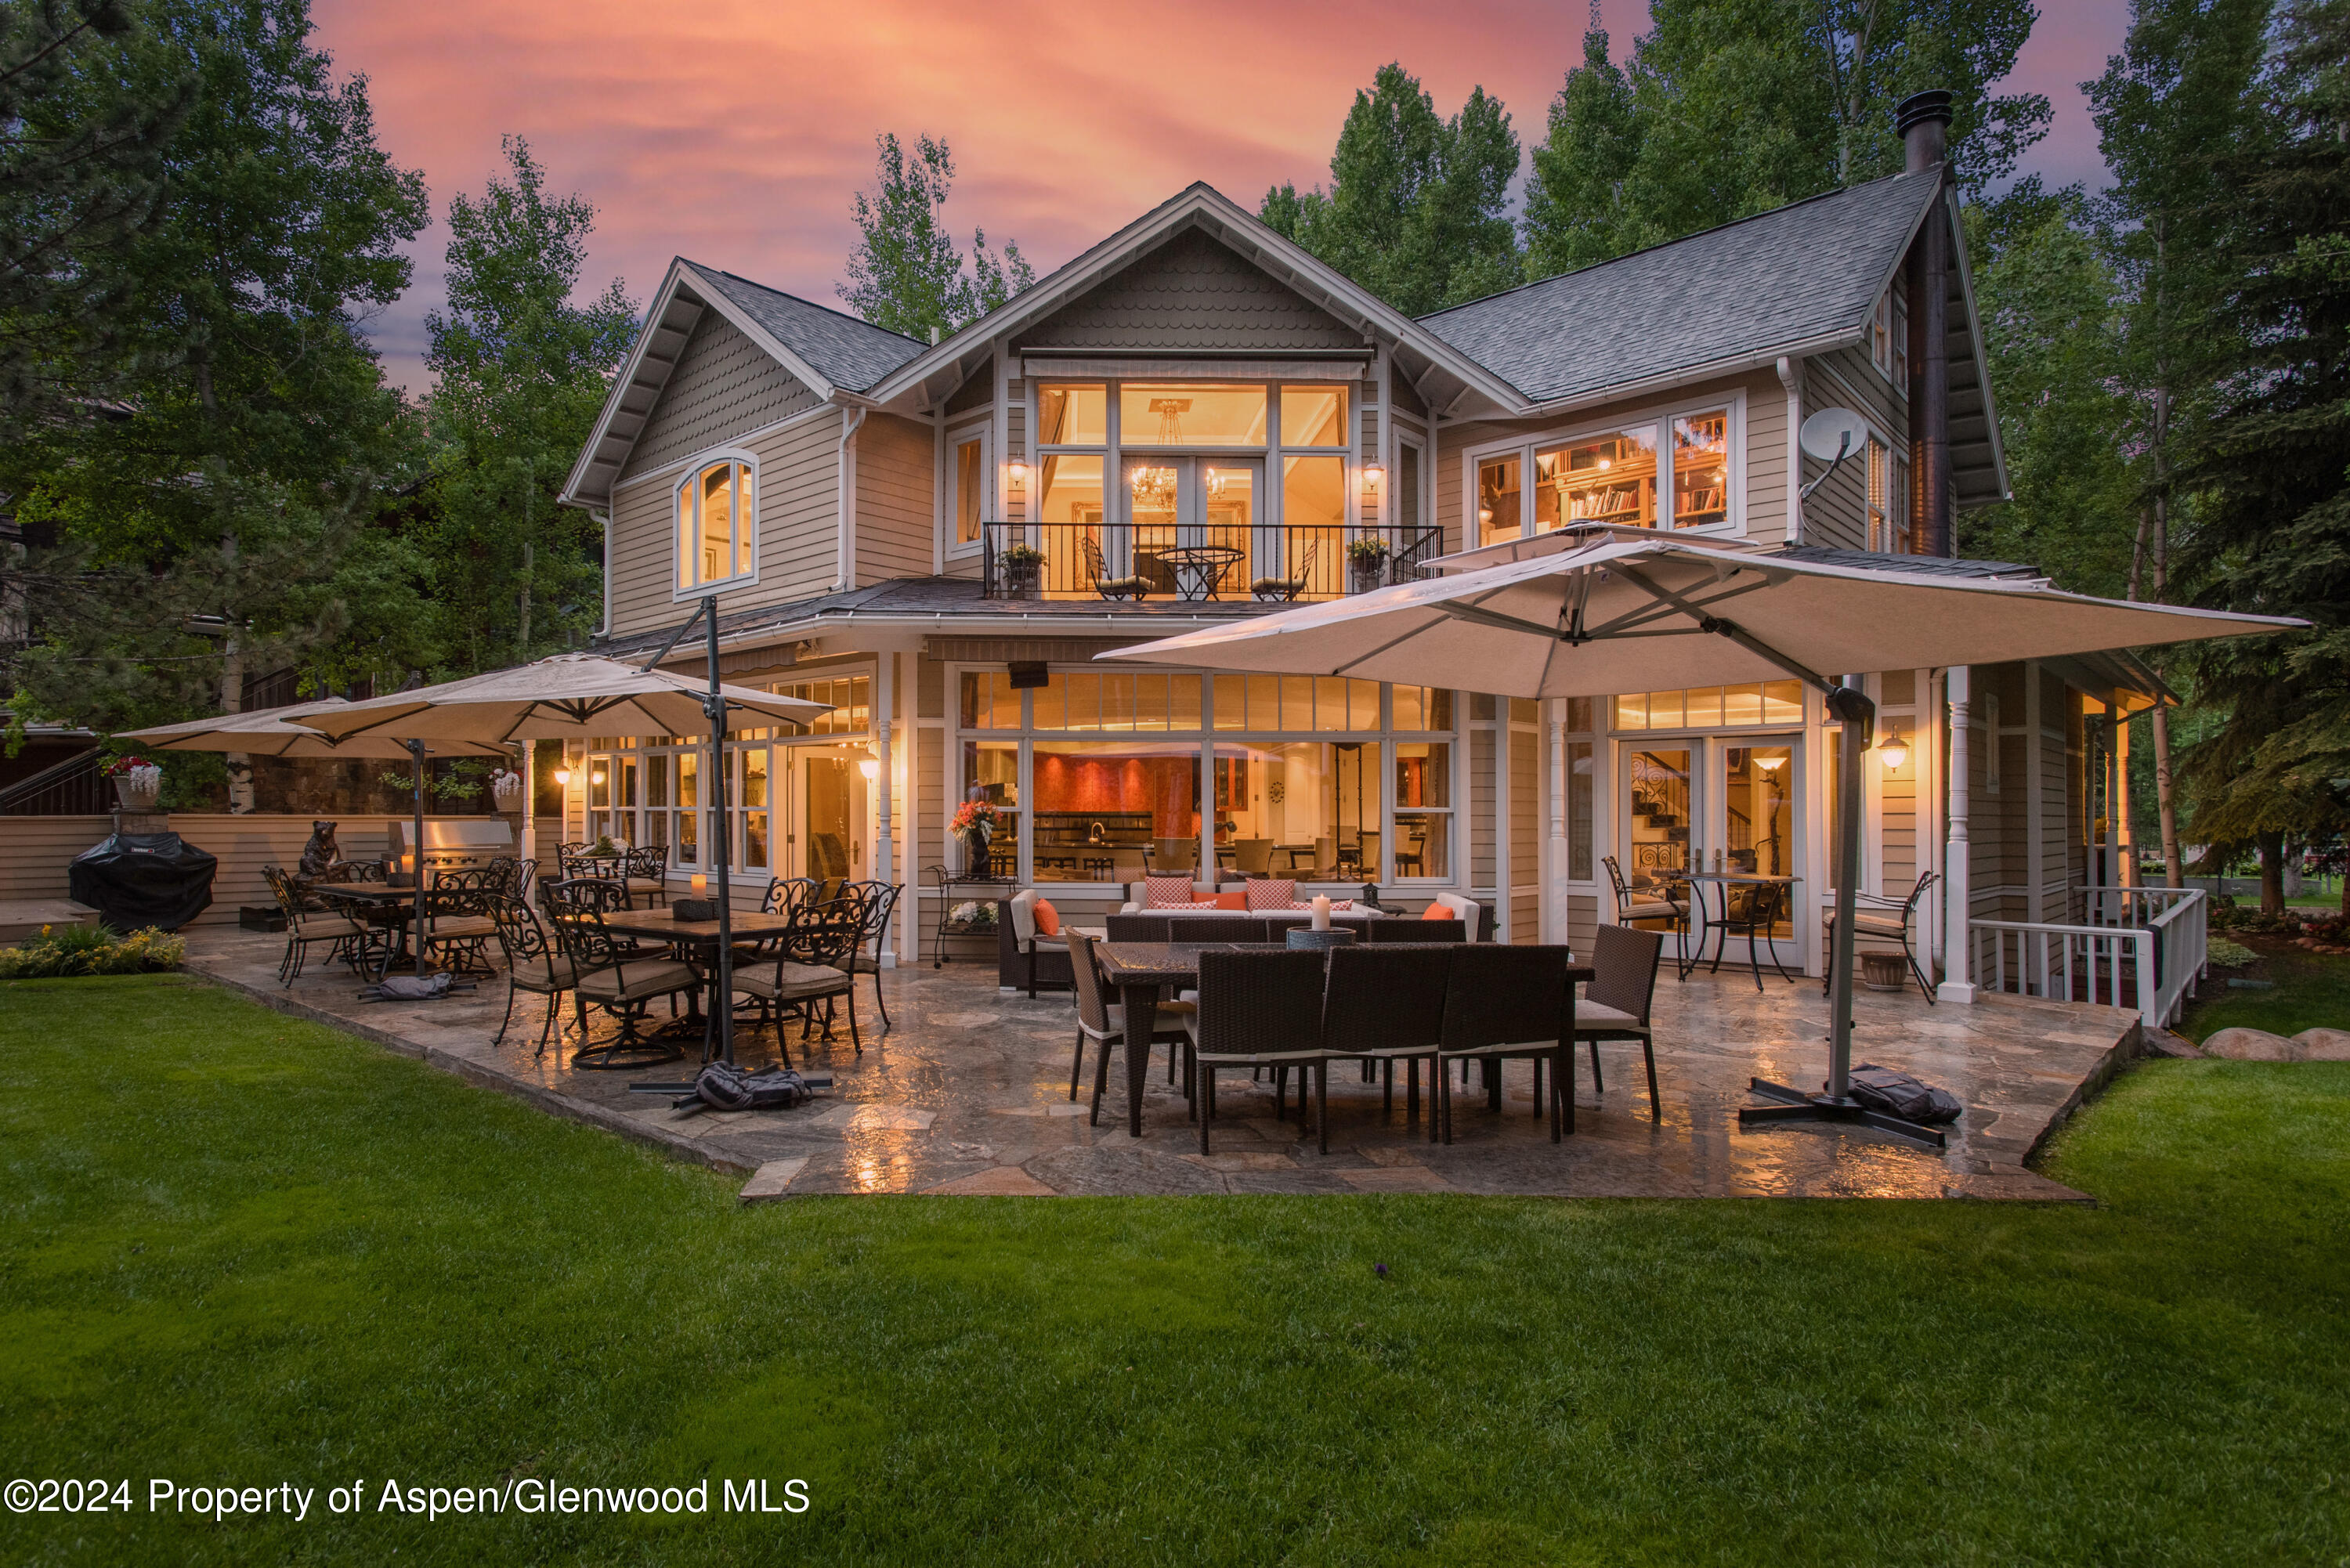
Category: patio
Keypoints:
(969, 1093)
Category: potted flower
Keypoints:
(137, 782)
(1023, 569)
(505, 787)
(974, 825)
(1366, 563)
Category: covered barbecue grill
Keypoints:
(138, 879)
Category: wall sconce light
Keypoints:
(1894, 750)
(563, 776)
(867, 764)
(1018, 472)
(1373, 476)
(1770, 764)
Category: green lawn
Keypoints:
(243, 1250)
(2305, 990)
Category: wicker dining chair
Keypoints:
(1258, 1009)
(1616, 1004)
(534, 963)
(613, 974)
(1385, 1005)
(1103, 1021)
(1502, 1002)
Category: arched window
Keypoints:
(716, 527)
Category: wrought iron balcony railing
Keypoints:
(1122, 562)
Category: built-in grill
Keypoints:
(454, 840)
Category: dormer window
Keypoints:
(717, 530)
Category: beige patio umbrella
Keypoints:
(278, 733)
(1597, 612)
(572, 696)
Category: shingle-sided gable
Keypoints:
(1193, 294)
(1786, 276)
(724, 387)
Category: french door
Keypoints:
(1714, 803)
(1197, 525)
(823, 813)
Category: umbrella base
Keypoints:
(1795, 1105)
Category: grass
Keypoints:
(241, 1248)
(2305, 990)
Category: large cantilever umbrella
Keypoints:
(1597, 612)
(569, 697)
(280, 732)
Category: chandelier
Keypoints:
(1170, 412)
(1154, 488)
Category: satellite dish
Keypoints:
(1833, 433)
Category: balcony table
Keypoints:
(1199, 568)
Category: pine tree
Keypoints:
(906, 274)
(1417, 211)
(520, 374)
(2270, 532)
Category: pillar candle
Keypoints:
(701, 884)
(1321, 912)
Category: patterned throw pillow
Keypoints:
(1168, 892)
(1268, 893)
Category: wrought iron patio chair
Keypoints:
(1751, 910)
(1502, 1002)
(1258, 1009)
(1647, 905)
(645, 872)
(457, 926)
(880, 904)
(613, 974)
(1887, 919)
(345, 938)
(809, 965)
(534, 962)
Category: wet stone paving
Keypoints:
(967, 1092)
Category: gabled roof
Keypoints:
(1802, 275)
(850, 354)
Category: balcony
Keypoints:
(1125, 563)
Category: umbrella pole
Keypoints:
(722, 1005)
(416, 921)
(1857, 715)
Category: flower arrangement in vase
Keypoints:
(974, 823)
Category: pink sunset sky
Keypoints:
(735, 132)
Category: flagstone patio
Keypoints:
(969, 1092)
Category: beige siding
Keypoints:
(1482, 800)
(724, 384)
(896, 462)
(799, 520)
(34, 851)
(1837, 513)
(1525, 824)
(1193, 294)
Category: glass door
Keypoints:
(824, 835)
(1196, 531)
(1658, 818)
(1754, 779)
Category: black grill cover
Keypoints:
(138, 879)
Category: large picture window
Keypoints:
(1676, 469)
(716, 532)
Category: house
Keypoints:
(1195, 420)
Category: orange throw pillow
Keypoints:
(1232, 898)
(1048, 919)
(1438, 912)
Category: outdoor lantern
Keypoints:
(596, 777)
(1019, 472)
(563, 776)
(1373, 476)
(867, 764)
(1894, 750)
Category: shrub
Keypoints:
(65, 951)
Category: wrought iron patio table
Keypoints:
(1199, 568)
(696, 936)
(383, 904)
(1725, 881)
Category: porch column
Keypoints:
(1554, 860)
(885, 724)
(528, 848)
(1958, 967)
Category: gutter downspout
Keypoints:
(852, 422)
(1791, 378)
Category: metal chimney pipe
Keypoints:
(1923, 120)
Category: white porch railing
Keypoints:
(2143, 947)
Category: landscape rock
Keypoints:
(2251, 1046)
(2324, 1044)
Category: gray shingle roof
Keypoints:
(848, 353)
(1776, 279)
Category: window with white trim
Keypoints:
(1889, 336)
(717, 534)
(968, 475)
(1888, 490)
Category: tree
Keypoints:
(2270, 529)
(906, 274)
(2167, 108)
(213, 496)
(1417, 211)
(1734, 107)
(89, 96)
(520, 373)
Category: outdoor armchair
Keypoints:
(1616, 1005)
(457, 926)
(344, 938)
(1103, 1021)
(1387, 1006)
(1258, 1009)
(533, 963)
(1887, 919)
(809, 965)
(1028, 940)
(1501, 1002)
(613, 974)
(646, 873)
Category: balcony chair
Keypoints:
(1127, 587)
(1281, 590)
(1887, 919)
